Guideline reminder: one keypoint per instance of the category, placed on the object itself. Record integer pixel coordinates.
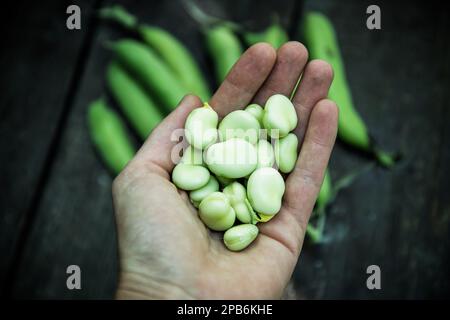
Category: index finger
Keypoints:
(244, 80)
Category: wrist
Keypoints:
(134, 286)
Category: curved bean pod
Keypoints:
(273, 34)
(224, 48)
(109, 136)
(322, 43)
(137, 106)
(168, 47)
(154, 74)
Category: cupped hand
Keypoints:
(166, 251)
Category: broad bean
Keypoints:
(286, 153)
(265, 189)
(190, 177)
(257, 111)
(239, 124)
(193, 156)
(224, 181)
(266, 155)
(198, 195)
(240, 237)
(201, 127)
(280, 116)
(216, 212)
(237, 195)
(234, 158)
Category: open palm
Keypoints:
(165, 250)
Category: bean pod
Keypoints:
(109, 136)
(322, 43)
(224, 48)
(137, 106)
(168, 47)
(143, 63)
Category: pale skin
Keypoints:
(165, 250)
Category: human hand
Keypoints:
(166, 251)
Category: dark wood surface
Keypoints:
(55, 206)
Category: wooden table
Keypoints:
(55, 204)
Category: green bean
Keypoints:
(109, 136)
(154, 74)
(224, 48)
(273, 34)
(137, 106)
(168, 47)
(322, 43)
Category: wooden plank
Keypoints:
(393, 219)
(38, 64)
(74, 222)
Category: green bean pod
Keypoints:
(273, 34)
(142, 62)
(322, 43)
(224, 48)
(109, 136)
(168, 47)
(178, 58)
(137, 106)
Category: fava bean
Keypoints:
(201, 127)
(257, 111)
(265, 189)
(239, 124)
(224, 181)
(240, 237)
(266, 155)
(237, 195)
(190, 177)
(234, 158)
(192, 155)
(286, 153)
(198, 195)
(280, 116)
(216, 212)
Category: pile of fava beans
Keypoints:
(232, 169)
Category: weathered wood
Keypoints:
(39, 62)
(396, 219)
(74, 221)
